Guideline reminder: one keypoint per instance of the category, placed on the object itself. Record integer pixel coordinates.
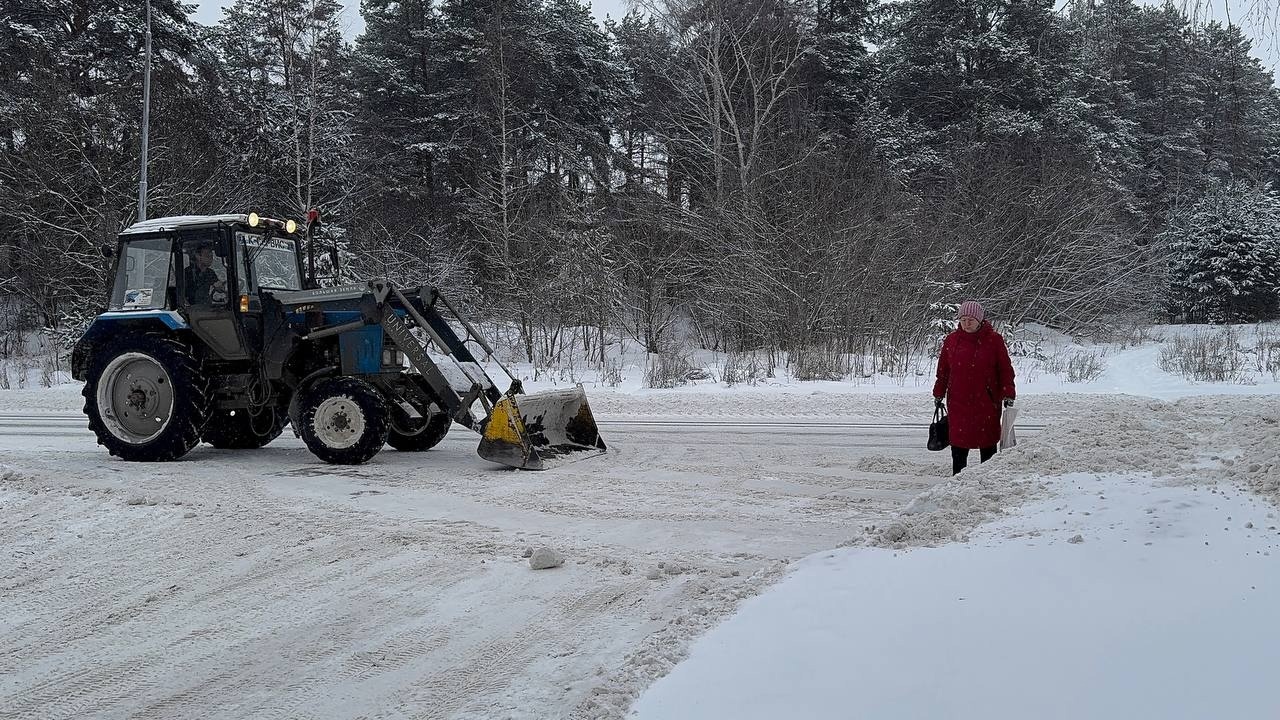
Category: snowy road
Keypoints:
(265, 584)
(71, 425)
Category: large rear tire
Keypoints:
(345, 420)
(146, 398)
(409, 435)
(243, 429)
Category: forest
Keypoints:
(820, 178)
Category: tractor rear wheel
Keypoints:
(410, 435)
(243, 429)
(146, 398)
(345, 420)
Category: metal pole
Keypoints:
(146, 120)
(311, 251)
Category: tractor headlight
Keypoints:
(254, 219)
(290, 226)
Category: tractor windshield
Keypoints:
(144, 275)
(272, 262)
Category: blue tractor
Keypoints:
(215, 334)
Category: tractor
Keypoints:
(214, 333)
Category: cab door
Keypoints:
(206, 292)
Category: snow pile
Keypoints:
(1149, 438)
(899, 466)
(545, 559)
(948, 512)
(1255, 430)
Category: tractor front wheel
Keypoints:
(146, 398)
(344, 420)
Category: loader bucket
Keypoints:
(539, 431)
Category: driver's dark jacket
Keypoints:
(199, 284)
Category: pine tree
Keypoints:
(843, 68)
(975, 78)
(646, 55)
(70, 120)
(1225, 255)
(578, 95)
(1239, 128)
(288, 98)
(1156, 57)
(396, 65)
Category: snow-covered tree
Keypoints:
(647, 58)
(1240, 129)
(70, 129)
(288, 107)
(1224, 255)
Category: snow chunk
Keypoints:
(545, 559)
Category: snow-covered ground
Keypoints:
(779, 550)
(1135, 577)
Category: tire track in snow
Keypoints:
(486, 669)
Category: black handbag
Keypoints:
(939, 435)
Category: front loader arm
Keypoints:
(527, 431)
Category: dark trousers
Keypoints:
(960, 457)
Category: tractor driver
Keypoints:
(203, 284)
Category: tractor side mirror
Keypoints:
(108, 251)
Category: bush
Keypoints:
(818, 363)
(611, 373)
(745, 367)
(1207, 357)
(1267, 352)
(668, 369)
(1132, 334)
(1080, 366)
(1224, 254)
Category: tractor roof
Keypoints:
(166, 224)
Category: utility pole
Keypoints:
(146, 120)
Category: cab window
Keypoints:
(204, 273)
(273, 262)
(144, 275)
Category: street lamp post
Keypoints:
(146, 119)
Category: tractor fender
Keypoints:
(298, 391)
(113, 324)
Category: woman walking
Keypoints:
(975, 376)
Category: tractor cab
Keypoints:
(209, 271)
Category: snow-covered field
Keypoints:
(793, 540)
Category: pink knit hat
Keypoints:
(970, 308)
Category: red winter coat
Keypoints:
(974, 374)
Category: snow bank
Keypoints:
(65, 398)
(1178, 442)
(1119, 597)
(1252, 438)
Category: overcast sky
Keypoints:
(210, 12)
